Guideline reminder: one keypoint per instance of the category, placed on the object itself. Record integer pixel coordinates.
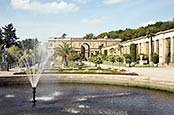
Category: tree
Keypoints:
(112, 51)
(8, 38)
(98, 60)
(89, 36)
(1, 42)
(133, 52)
(26, 58)
(150, 34)
(128, 33)
(112, 59)
(127, 58)
(64, 50)
(119, 59)
(13, 54)
(1, 37)
(155, 58)
(9, 35)
(120, 48)
(28, 43)
(64, 35)
(100, 47)
(102, 35)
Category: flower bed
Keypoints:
(89, 71)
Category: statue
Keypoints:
(4, 64)
(4, 54)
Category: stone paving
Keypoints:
(160, 73)
(152, 73)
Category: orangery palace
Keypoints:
(162, 44)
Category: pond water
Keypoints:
(72, 99)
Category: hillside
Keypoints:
(129, 34)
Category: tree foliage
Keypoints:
(150, 34)
(9, 35)
(64, 50)
(8, 39)
(155, 58)
(112, 50)
(28, 43)
(63, 35)
(129, 34)
(1, 36)
(100, 47)
(112, 59)
(133, 52)
(13, 54)
(89, 36)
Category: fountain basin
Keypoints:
(70, 99)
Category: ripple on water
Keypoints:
(81, 99)
(57, 93)
(103, 96)
(9, 96)
(45, 98)
(72, 111)
(83, 106)
(50, 97)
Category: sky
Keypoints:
(51, 18)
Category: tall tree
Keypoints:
(64, 50)
(9, 35)
(150, 34)
(1, 37)
(1, 43)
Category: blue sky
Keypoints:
(45, 18)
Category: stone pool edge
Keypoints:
(118, 80)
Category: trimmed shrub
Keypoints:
(119, 59)
(133, 52)
(155, 58)
(145, 57)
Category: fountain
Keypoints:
(34, 62)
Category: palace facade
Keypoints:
(90, 46)
(162, 44)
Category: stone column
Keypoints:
(155, 46)
(147, 48)
(150, 49)
(164, 50)
(172, 50)
(128, 49)
(139, 48)
(144, 48)
(161, 50)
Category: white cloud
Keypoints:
(94, 21)
(147, 23)
(112, 1)
(81, 1)
(50, 7)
